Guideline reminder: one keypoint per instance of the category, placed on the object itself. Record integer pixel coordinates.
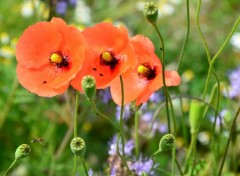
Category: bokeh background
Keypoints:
(25, 116)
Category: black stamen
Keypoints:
(112, 64)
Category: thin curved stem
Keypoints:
(103, 116)
(75, 125)
(76, 114)
(173, 159)
(186, 37)
(10, 167)
(84, 165)
(136, 123)
(74, 165)
(8, 103)
(163, 73)
(121, 116)
(120, 132)
(229, 139)
(218, 53)
(179, 167)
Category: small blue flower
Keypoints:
(72, 3)
(129, 145)
(126, 112)
(156, 97)
(142, 165)
(105, 95)
(61, 7)
(234, 78)
(90, 172)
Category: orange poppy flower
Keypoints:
(145, 78)
(110, 55)
(49, 55)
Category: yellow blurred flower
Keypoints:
(4, 37)
(6, 52)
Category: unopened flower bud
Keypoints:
(22, 151)
(167, 142)
(150, 11)
(78, 146)
(89, 87)
(195, 115)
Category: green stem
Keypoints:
(84, 165)
(136, 122)
(116, 127)
(121, 116)
(75, 124)
(186, 38)
(163, 73)
(8, 103)
(217, 54)
(74, 165)
(103, 116)
(190, 152)
(229, 140)
(173, 114)
(185, 134)
(179, 167)
(76, 114)
(120, 132)
(10, 167)
(173, 159)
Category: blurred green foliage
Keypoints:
(29, 116)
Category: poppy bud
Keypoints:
(89, 87)
(167, 142)
(150, 11)
(78, 146)
(195, 115)
(22, 151)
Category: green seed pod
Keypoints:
(195, 114)
(78, 146)
(167, 142)
(150, 11)
(89, 87)
(22, 151)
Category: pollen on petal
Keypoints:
(56, 58)
(106, 56)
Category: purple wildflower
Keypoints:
(156, 97)
(234, 78)
(142, 165)
(61, 7)
(147, 117)
(105, 95)
(129, 145)
(72, 3)
(90, 172)
(126, 112)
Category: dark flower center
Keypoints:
(59, 60)
(146, 71)
(107, 58)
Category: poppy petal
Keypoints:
(36, 45)
(39, 81)
(133, 86)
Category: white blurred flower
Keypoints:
(140, 5)
(165, 10)
(27, 9)
(82, 13)
(235, 41)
